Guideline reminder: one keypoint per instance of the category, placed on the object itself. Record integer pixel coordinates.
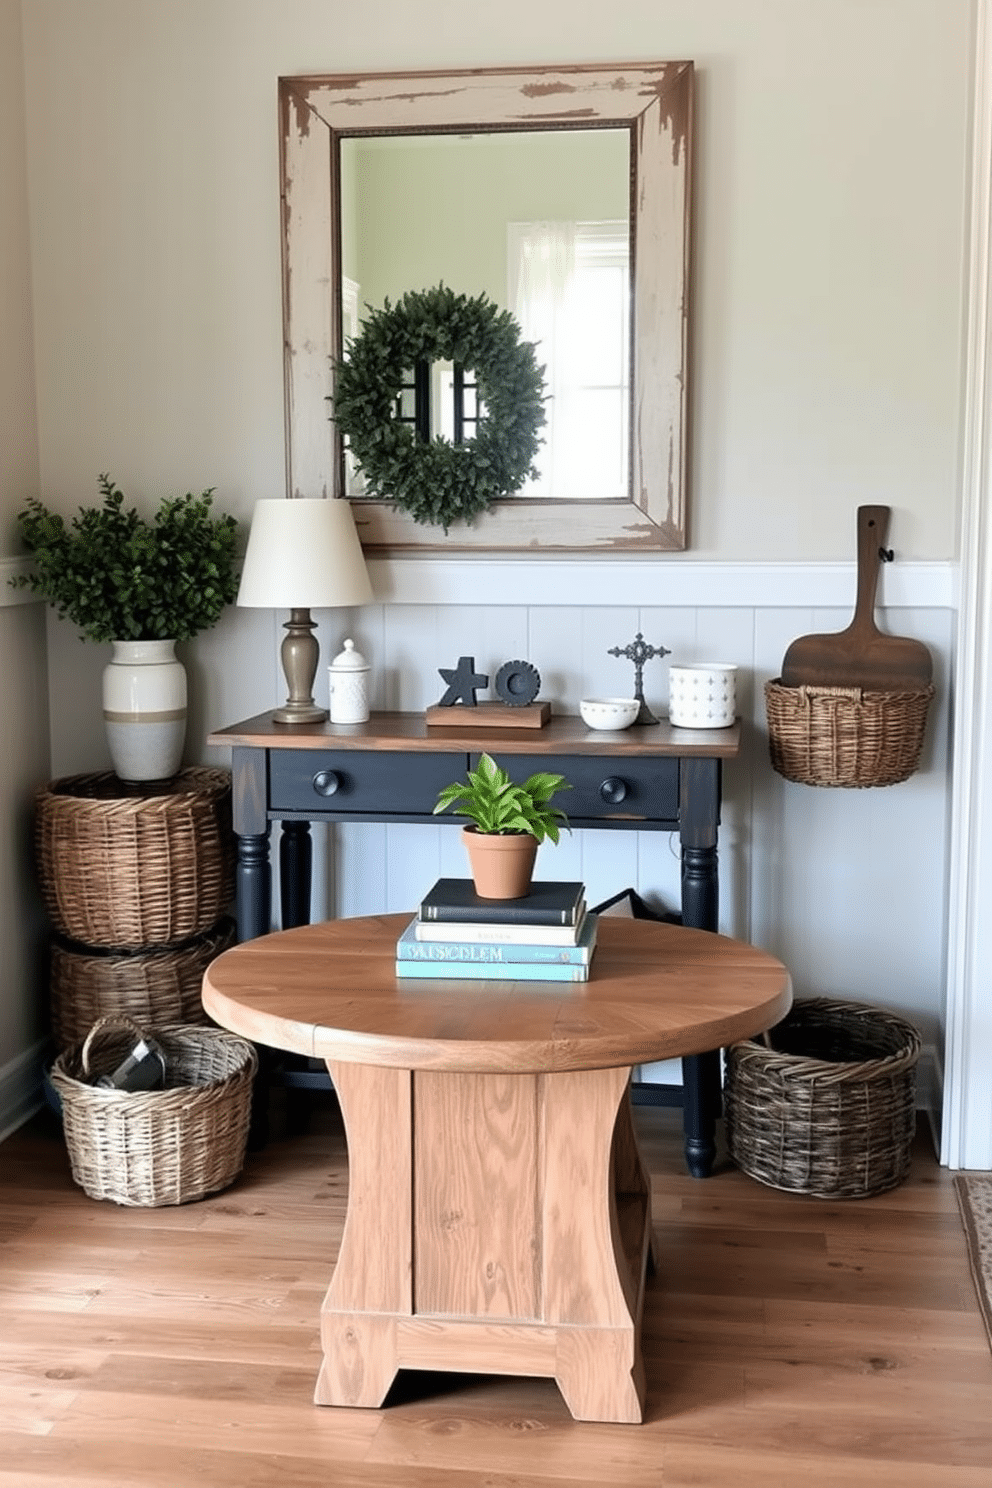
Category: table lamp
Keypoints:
(303, 554)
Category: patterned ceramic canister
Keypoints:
(703, 696)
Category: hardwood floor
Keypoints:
(788, 1341)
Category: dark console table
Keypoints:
(646, 778)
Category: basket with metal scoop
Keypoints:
(159, 1118)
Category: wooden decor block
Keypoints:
(488, 715)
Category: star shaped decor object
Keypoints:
(463, 683)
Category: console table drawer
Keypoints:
(342, 781)
(608, 789)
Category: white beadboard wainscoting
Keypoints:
(848, 887)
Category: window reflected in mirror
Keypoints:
(540, 222)
(570, 292)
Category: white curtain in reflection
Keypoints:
(569, 290)
(541, 277)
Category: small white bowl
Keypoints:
(609, 713)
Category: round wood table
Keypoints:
(498, 1207)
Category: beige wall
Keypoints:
(830, 170)
(24, 715)
(828, 261)
(18, 426)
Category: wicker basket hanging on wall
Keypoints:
(845, 736)
(827, 1106)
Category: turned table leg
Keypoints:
(699, 817)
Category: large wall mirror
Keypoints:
(562, 194)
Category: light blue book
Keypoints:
(495, 971)
(496, 953)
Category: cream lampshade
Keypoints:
(303, 554)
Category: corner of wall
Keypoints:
(21, 1088)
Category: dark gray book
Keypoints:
(549, 902)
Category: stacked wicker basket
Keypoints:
(138, 881)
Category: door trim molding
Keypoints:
(967, 1114)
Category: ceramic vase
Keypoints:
(502, 864)
(144, 709)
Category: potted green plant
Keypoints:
(510, 822)
(141, 585)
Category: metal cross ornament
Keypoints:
(638, 651)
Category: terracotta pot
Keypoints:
(502, 865)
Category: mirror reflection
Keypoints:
(540, 222)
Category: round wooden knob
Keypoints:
(326, 782)
(613, 790)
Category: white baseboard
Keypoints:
(21, 1091)
(930, 1090)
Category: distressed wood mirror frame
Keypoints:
(651, 100)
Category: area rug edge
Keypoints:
(979, 1255)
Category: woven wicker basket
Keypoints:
(137, 866)
(156, 1147)
(153, 987)
(826, 1106)
(844, 736)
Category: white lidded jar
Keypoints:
(349, 686)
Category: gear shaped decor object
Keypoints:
(437, 482)
(517, 683)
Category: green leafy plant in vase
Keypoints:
(509, 822)
(142, 586)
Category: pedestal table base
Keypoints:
(496, 1224)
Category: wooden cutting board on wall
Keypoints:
(862, 655)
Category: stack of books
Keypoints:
(547, 936)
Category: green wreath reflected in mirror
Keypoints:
(438, 480)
